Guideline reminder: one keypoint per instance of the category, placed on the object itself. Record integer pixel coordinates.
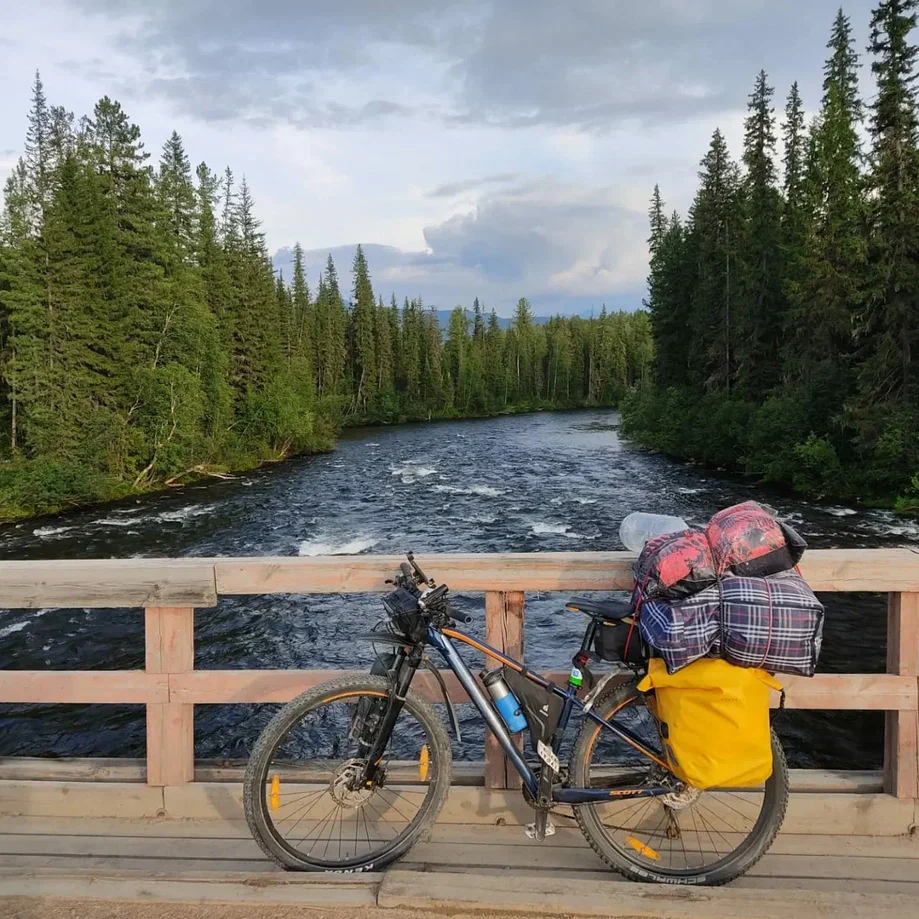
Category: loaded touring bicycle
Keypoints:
(351, 774)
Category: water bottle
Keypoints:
(504, 699)
(638, 528)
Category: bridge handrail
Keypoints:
(170, 590)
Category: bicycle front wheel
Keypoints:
(304, 802)
(690, 837)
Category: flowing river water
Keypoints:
(525, 483)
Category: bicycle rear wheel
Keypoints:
(304, 802)
(691, 837)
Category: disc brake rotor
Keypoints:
(345, 786)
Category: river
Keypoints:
(524, 483)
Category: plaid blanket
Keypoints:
(774, 623)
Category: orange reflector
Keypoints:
(642, 849)
(275, 796)
(424, 761)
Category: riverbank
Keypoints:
(36, 489)
(773, 443)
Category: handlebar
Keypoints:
(431, 597)
(436, 595)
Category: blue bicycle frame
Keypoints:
(441, 640)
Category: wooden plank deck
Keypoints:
(217, 860)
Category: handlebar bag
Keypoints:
(714, 722)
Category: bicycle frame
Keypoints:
(441, 640)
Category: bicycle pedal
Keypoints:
(533, 832)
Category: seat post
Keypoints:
(588, 639)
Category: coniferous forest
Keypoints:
(785, 304)
(145, 338)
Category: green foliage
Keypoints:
(145, 338)
(51, 485)
(785, 323)
(819, 471)
(761, 301)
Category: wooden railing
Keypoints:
(171, 590)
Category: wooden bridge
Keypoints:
(169, 829)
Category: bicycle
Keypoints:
(386, 752)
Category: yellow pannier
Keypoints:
(714, 720)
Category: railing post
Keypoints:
(504, 631)
(901, 729)
(170, 648)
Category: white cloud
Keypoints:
(498, 147)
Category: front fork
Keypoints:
(403, 672)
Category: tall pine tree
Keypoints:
(761, 300)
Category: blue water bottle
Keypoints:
(504, 699)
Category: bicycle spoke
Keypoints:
(340, 820)
(379, 814)
(300, 820)
(694, 836)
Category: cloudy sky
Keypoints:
(501, 148)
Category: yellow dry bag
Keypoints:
(714, 720)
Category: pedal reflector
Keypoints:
(275, 797)
(424, 761)
(642, 849)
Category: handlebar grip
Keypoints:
(406, 569)
(437, 594)
(461, 617)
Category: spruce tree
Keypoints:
(891, 320)
(760, 301)
(521, 353)
(796, 212)
(215, 281)
(131, 310)
(302, 307)
(830, 274)
(336, 331)
(432, 369)
(794, 141)
(456, 355)
(411, 354)
(363, 314)
(494, 370)
(39, 154)
(257, 342)
(177, 199)
(714, 240)
(658, 220)
(670, 304)
(385, 382)
(478, 321)
(668, 301)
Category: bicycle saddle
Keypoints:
(601, 609)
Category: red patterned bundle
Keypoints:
(745, 540)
